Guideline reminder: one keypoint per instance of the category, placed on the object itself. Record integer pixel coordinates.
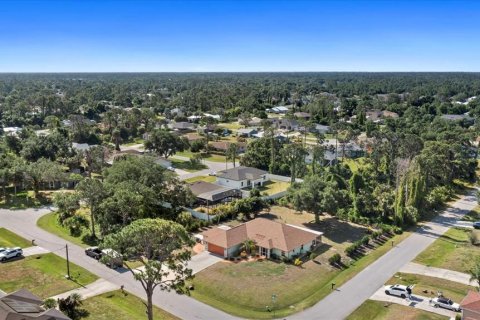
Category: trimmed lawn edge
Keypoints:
(340, 278)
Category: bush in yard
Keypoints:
(313, 255)
(365, 240)
(397, 230)
(350, 250)
(474, 237)
(335, 259)
(298, 262)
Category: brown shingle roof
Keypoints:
(471, 301)
(266, 233)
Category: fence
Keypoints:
(200, 215)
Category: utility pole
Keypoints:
(68, 263)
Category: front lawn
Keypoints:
(209, 157)
(25, 199)
(187, 165)
(9, 239)
(378, 310)
(201, 178)
(452, 251)
(49, 222)
(44, 275)
(430, 286)
(245, 289)
(473, 215)
(119, 306)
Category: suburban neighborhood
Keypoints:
(224, 160)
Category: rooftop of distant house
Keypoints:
(241, 173)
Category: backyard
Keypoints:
(378, 310)
(273, 187)
(44, 275)
(119, 306)
(452, 251)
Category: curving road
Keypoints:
(335, 306)
(23, 223)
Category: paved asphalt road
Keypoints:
(23, 223)
(337, 305)
(352, 294)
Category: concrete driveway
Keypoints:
(202, 261)
(464, 224)
(415, 301)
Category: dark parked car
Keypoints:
(94, 252)
(476, 224)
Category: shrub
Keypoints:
(298, 262)
(350, 250)
(474, 237)
(313, 255)
(285, 259)
(335, 259)
(365, 240)
(397, 230)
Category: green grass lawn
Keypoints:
(234, 126)
(44, 275)
(473, 215)
(210, 157)
(451, 251)
(24, 199)
(453, 290)
(378, 310)
(187, 165)
(49, 222)
(273, 187)
(118, 306)
(9, 239)
(245, 289)
(202, 178)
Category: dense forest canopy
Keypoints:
(230, 93)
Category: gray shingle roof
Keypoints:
(241, 173)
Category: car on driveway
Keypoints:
(476, 224)
(399, 290)
(94, 252)
(10, 254)
(446, 303)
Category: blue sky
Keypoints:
(157, 36)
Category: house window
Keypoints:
(283, 253)
(301, 247)
(242, 183)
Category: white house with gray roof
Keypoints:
(241, 177)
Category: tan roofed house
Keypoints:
(471, 306)
(273, 239)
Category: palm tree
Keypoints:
(116, 138)
(232, 152)
(475, 274)
(249, 246)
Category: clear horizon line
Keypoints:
(336, 71)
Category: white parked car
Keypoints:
(399, 290)
(2, 249)
(213, 173)
(446, 303)
(10, 254)
(171, 169)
